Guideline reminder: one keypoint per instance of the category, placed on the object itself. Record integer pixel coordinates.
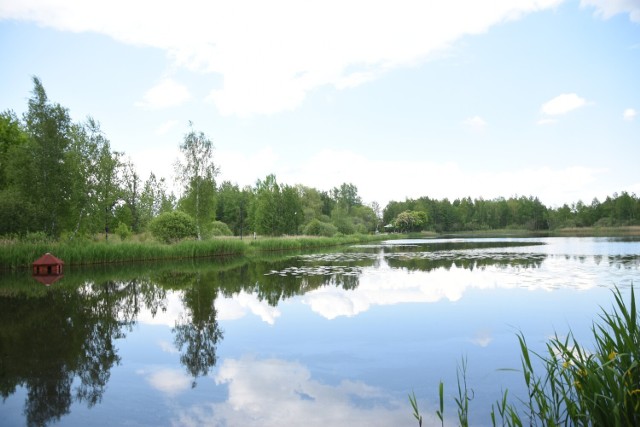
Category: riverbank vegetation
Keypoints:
(18, 254)
(569, 384)
(63, 179)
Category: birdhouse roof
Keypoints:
(48, 259)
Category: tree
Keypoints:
(154, 200)
(264, 209)
(197, 172)
(173, 226)
(12, 135)
(410, 221)
(46, 181)
(131, 195)
(347, 196)
(229, 206)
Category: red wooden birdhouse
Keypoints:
(47, 269)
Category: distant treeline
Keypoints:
(516, 212)
(61, 179)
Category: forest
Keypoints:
(61, 179)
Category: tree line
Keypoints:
(60, 178)
(521, 212)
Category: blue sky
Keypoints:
(402, 99)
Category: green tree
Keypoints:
(264, 209)
(46, 180)
(12, 135)
(408, 221)
(173, 226)
(154, 200)
(230, 207)
(197, 172)
(130, 194)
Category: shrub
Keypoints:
(173, 226)
(219, 228)
(319, 228)
(123, 231)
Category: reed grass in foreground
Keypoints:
(576, 387)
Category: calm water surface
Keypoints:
(322, 339)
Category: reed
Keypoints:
(16, 255)
(570, 385)
(21, 255)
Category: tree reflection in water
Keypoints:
(58, 343)
(49, 339)
(197, 333)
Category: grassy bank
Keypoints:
(15, 255)
(632, 230)
(21, 255)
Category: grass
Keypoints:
(16, 255)
(21, 255)
(576, 386)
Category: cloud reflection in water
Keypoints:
(275, 392)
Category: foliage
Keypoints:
(197, 173)
(318, 228)
(577, 386)
(409, 221)
(123, 231)
(276, 210)
(219, 228)
(173, 226)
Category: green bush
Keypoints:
(219, 228)
(123, 231)
(173, 226)
(319, 228)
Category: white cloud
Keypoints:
(236, 308)
(165, 127)
(244, 169)
(563, 104)
(376, 287)
(165, 94)
(167, 347)
(169, 381)
(257, 386)
(608, 8)
(270, 55)
(475, 123)
(629, 114)
(547, 121)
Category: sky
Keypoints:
(403, 99)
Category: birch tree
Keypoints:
(196, 171)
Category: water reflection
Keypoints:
(276, 392)
(58, 345)
(61, 339)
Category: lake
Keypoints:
(332, 338)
